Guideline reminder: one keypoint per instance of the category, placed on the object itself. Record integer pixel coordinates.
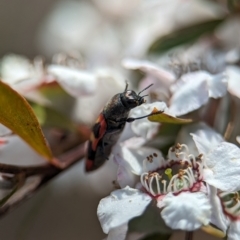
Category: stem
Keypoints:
(40, 174)
(232, 121)
(189, 236)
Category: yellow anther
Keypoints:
(168, 172)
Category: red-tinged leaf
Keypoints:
(165, 118)
(17, 115)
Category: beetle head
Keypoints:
(131, 100)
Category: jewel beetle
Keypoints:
(110, 124)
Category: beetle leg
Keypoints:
(133, 119)
(148, 115)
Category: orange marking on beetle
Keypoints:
(92, 138)
(89, 164)
(102, 131)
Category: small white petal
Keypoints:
(234, 231)
(217, 86)
(143, 127)
(238, 139)
(128, 158)
(149, 67)
(206, 139)
(186, 211)
(156, 162)
(218, 217)
(121, 206)
(125, 177)
(233, 74)
(133, 158)
(75, 82)
(191, 96)
(134, 142)
(191, 77)
(21, 65)
(224, 162)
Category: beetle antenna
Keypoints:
(145, 88)
(126, 86)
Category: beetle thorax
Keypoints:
(114, 109)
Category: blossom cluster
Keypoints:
(186, 165)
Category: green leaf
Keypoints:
(17, 115)
(165, 118)
(184, 35)
(150, 222)
(49, 117)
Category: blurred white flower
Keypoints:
(197, 87)
(186, 187)
(222, 172)
(76, 82)
(113, 29)
(233, 74)
(22, 74)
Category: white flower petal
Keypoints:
(191, 96)
(128, 158)
(133, 158)
(191, 77)
(155, 163)
(217, 86)
(206, 139)
(224, 162)
(186, 211)
(218, 217)
(234, 231)
(134, 142)
(149, 67)
(125, 177)
(143, 127)
(233, 74)
(75, 82)
(21, 65)
(121, 206)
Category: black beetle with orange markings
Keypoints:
(109, 125)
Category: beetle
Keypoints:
(110, 124)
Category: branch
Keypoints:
(38, 176)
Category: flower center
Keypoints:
(181, 171)
(231, 204)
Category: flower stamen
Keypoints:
(174, 175)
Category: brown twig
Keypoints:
(40, 174)
(189, 236)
